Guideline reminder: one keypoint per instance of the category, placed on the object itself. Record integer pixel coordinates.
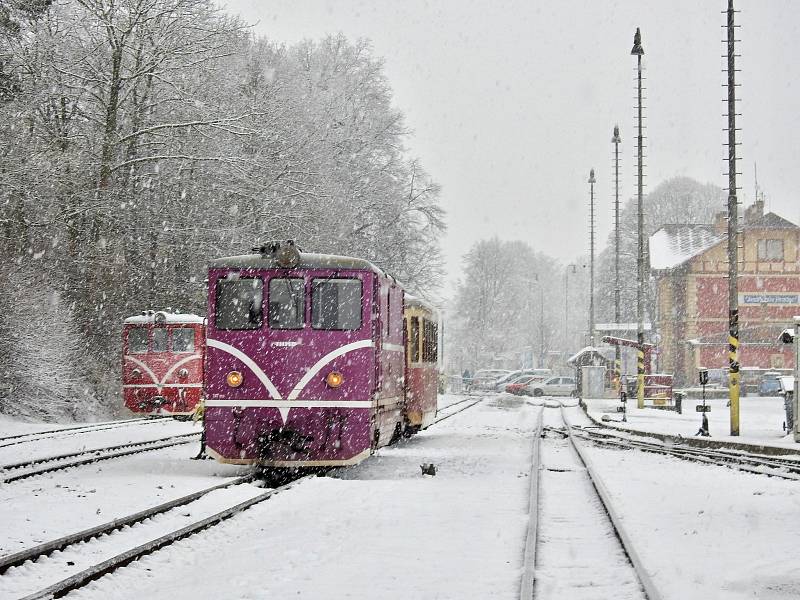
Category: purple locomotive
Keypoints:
(305, 359)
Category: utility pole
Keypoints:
(733, 238)
(638, 51)
(617, 350)
(591, 257)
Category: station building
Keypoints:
(690, 265)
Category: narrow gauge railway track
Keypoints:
(35, 436)
(573, 524)
(442, 417)
(770, 466)
(118, 526)
(77, 580)
(22, 470)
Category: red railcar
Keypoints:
(162, 367)
(421, 374)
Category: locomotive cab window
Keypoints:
(183, 339)
(336, 304)
(160, 339)
(286, 303)
(239, 303)
(137, 340)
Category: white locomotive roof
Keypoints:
(307, 261)
(169, 318)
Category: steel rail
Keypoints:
(649, 588)
(455, 412)
(74, 582)
(748, 463)
(529, 554)
(92, 456)
(36, 552)
(35, 435)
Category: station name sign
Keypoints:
(785, 299)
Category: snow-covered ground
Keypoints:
(379, 530)
(49, 506)
(761, 419)
(705, 531)
(13, 451)
(383, 530)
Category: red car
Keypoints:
(518, 385)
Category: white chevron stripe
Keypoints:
(324, 361)
(181, 362)
(249, 362)
(146, 369)
(287, 404)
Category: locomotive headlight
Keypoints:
(334, 379)
(183, 373)
(234, 379)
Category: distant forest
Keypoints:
(143, 137)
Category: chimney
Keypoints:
(754, 212)
(721, 222)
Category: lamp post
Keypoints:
(592, 181)
(638, 52)
(541, 320)
(616, 139)
(733, 241)
(566, 300)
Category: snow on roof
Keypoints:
(673, 245)
(588, 349)
(621, 326)
(770, 221)
(417, 302)
(307, 261)
(169, 318)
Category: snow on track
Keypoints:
(578, 554)
(137, 431)
(34, 511)
(28, 578)
(379, 530)
(710, 531)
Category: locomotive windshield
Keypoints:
(183, 339)
(239, 303)
(286, 303)
(336, 304)
(160, 339)
(137, 340)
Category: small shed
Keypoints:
(591, 356)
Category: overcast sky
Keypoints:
(511, 103)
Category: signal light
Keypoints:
(234, 379)
(334, 379)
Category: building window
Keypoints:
(770, 249)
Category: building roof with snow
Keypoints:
(673, 245)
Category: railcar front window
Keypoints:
(336, 304)
(160, 339)
(183, 339)
(137, 340)
(239, 303)
(286, 303)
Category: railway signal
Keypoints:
(704, 408)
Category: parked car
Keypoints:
(553, 386)
(770, 384)
(484, 378)
(500, 384)
(516, 386)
